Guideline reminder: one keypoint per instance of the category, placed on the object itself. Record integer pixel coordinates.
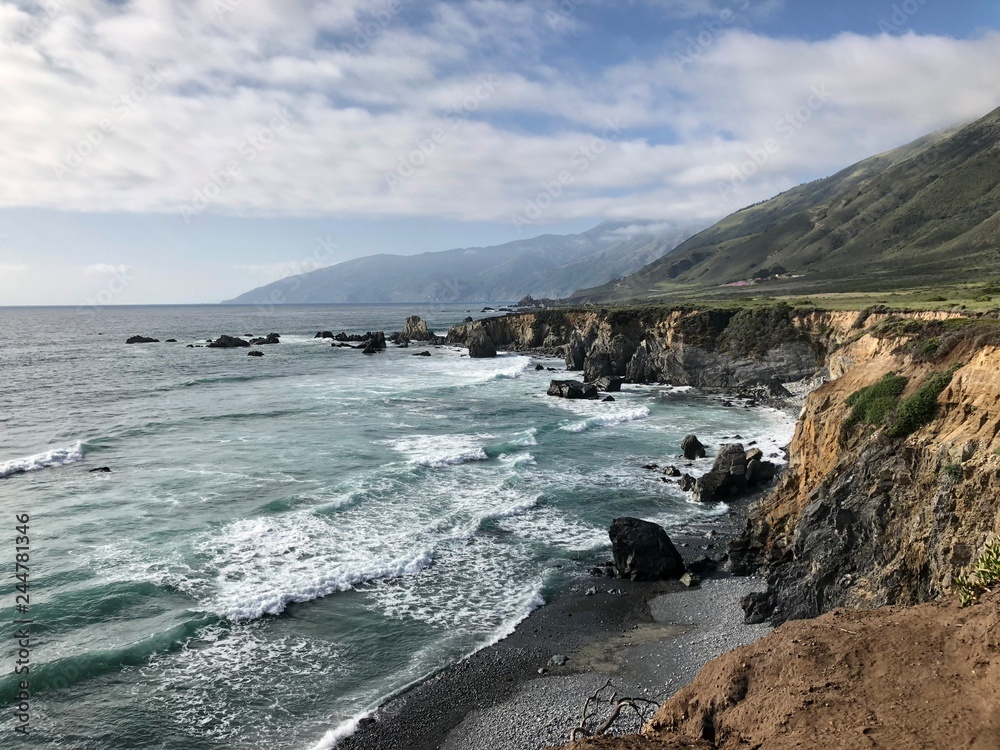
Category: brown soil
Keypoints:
(924, 677)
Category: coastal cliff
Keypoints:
(885, 509)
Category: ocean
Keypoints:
(284, 542)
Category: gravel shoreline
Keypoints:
(648, 638)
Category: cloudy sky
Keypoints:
(158, 151)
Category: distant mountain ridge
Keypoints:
(925, 213)
(552, 266)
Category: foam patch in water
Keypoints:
(439, 451)
(54, 457)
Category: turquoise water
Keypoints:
(285, 541)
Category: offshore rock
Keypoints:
(142, 340)
(727, 477)
(271, 338)
(572, 389)
(692, 448)
(228, 342)
(609, 384)
(416, 329)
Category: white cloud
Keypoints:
(105, 269)
(145, 106)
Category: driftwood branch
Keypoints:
(592, 707)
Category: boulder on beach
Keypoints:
(643, 551)
(142, 340)
(481, 346)
(692, 448)
(228, 342)
(572, 389)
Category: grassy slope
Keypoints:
(920, 221)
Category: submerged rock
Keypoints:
(255, 353)
(643, 551)
(101, 470)
(424, 353)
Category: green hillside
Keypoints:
(922, 215)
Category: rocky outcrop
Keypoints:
(141, 340)
(323, 335)
(481, 346)
(228, 342)
(609, 384)
(572, 389)
(255, 353)
(643, 551)
(374, 344)
(416, 329)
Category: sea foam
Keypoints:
(54, 457)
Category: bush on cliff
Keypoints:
(985, 575)
(920, 408)
(873, 404)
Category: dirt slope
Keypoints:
(902, 678)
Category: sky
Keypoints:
(185, 151)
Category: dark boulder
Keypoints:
(539, 368)
(608, 398)
(424, 353)
(760, 472)
(727, 477)
(597, 365)
(754, 454)
(142, 340)
(672, 471)
(171, 341)
(643, 551)
(323, 335)
(576, 352)
(468, 318)
(101, 470)
(572, 389)
(687, 482)
(777, 389)
(228, 342)
(271, 338)
(609, 384)
(481, 346)
(692, 448)
(255, 353)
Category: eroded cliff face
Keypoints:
(862, 519)
(715, 348)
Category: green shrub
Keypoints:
(955, 472)
(937, 298)
(930, 347)
(985, 575)
(920, 408)
(873, 404)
